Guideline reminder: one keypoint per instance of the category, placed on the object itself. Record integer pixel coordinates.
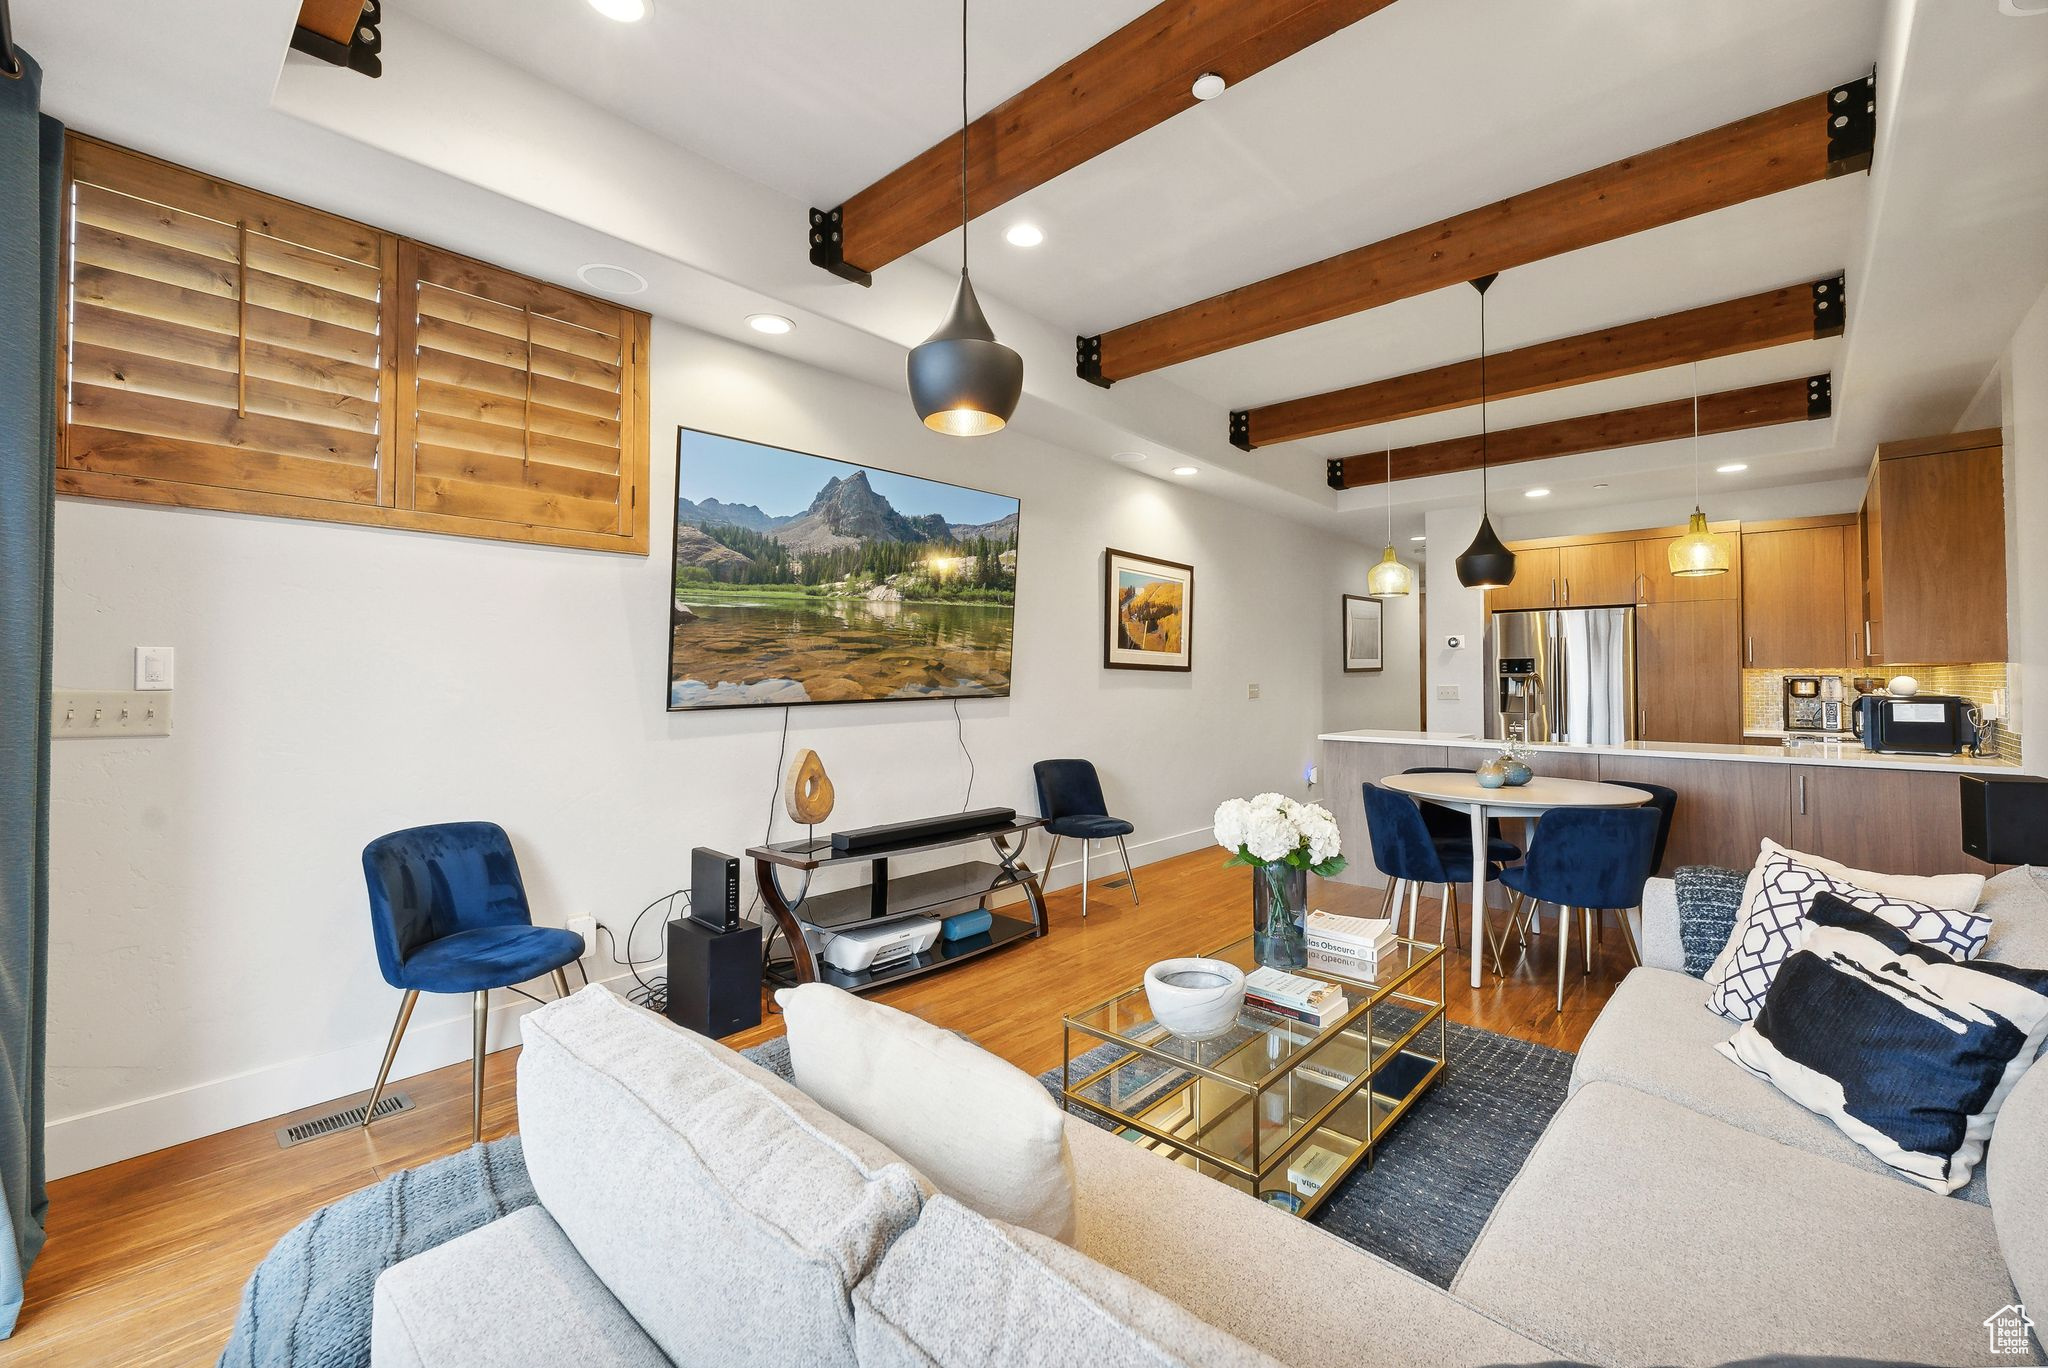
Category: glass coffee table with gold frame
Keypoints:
(1278, 1109)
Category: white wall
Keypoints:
(211, 960)
(2023, 386)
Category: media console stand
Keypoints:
(804, 915)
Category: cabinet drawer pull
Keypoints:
(1802, 795)
(1553, 588)
(1567, 588)
(1752, 651)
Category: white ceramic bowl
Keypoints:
(1196, 999)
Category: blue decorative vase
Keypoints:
(1518, 771)
(1493, 774)
(1279, 908)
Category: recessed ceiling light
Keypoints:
(625, 11)
(611, 279)
(775, 325)
(1128, 457)
(1600, 486)
(1418, 539)
(1023, 235)
(1732, 468)
(1535, 493)
(1209, 85)
(1187, 470)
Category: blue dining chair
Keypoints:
(1403, 850)
(1447, 826)
(1663, 802)
(1070, 799)
(449, 913)
(1586, 860)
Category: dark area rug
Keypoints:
(1437, 1176)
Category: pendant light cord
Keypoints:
(1390, 494)
(1482, 403)
(1695, 434)
(963, 137)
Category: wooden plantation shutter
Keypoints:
(521, 397)
(227, 349)
(219, 338)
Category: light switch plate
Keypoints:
(1446, 693)
(84, 713)
(154, 666)
(1254, 691)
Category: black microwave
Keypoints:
(1926, 724)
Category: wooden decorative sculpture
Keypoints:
(807, 792)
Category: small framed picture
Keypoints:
(1364, 639)
(1147, 610)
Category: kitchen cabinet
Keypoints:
(1656, 584)
(1535, 582)
(1596, 574)
(1688, 658)
(1796, 609)
(1725, 807)
(1933, 551)
(1899, 821)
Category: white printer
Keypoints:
(862, 948)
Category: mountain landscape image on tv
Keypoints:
(803, 579)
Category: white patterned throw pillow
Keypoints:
(1774, 925)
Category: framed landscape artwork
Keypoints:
(1364, 640)
(804, 579)
(1147, 611)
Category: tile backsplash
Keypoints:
(1763, 692)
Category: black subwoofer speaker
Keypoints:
(2005, 818)
(714, 977)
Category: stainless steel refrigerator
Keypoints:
(1563, 674)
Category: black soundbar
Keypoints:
(922, 829)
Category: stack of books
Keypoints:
(1294, 997)
(1352, 946)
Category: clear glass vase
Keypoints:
(1279, 906)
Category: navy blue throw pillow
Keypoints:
(1709, 904)
(1909, 1051)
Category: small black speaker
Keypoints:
(715, 888)
(2005, 818)
(714, 977)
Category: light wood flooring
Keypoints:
(146, 1258)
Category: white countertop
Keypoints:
(1851, 754)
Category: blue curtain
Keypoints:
(31, 158)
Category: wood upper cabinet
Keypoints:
(1535, 584)
(1656, 584)
(1595, 574)
(1796, 609)
(1933, 543)
(1688, 658)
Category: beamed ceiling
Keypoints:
(1659, 184)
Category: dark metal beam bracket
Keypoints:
(361, 53)
(1088, 360)
(1852, 126)
(828, 246)
(1830, 307)
(1820, 396)
(1334, 472)
(1241, 429)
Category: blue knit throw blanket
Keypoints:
(307, 1305)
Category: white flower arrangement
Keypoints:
(1274, 829)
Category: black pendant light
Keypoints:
(962, 381)
(1486, 563)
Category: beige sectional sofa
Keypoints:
(697, 1210)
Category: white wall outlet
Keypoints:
(1446, 693)
(1314, 775)
(79, 712)
(1254, 691)
(585, 927)
(154, 667)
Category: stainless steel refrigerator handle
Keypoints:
(1559, 725)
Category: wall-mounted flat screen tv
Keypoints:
(804, 579)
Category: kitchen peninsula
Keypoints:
(1874, 811)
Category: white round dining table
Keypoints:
(1542, 793)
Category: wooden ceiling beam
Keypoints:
(1781, 401)
(1795, 313)
(1138, 77)
(1823, 135)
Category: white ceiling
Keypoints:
(687, 146)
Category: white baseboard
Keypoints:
(1104, 862)
(88, 1140)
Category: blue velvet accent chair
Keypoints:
(449, 914)
(1404, 850)
(1070, 799)
(1450, 827)
(1587, 860)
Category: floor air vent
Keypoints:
(327, 1123)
